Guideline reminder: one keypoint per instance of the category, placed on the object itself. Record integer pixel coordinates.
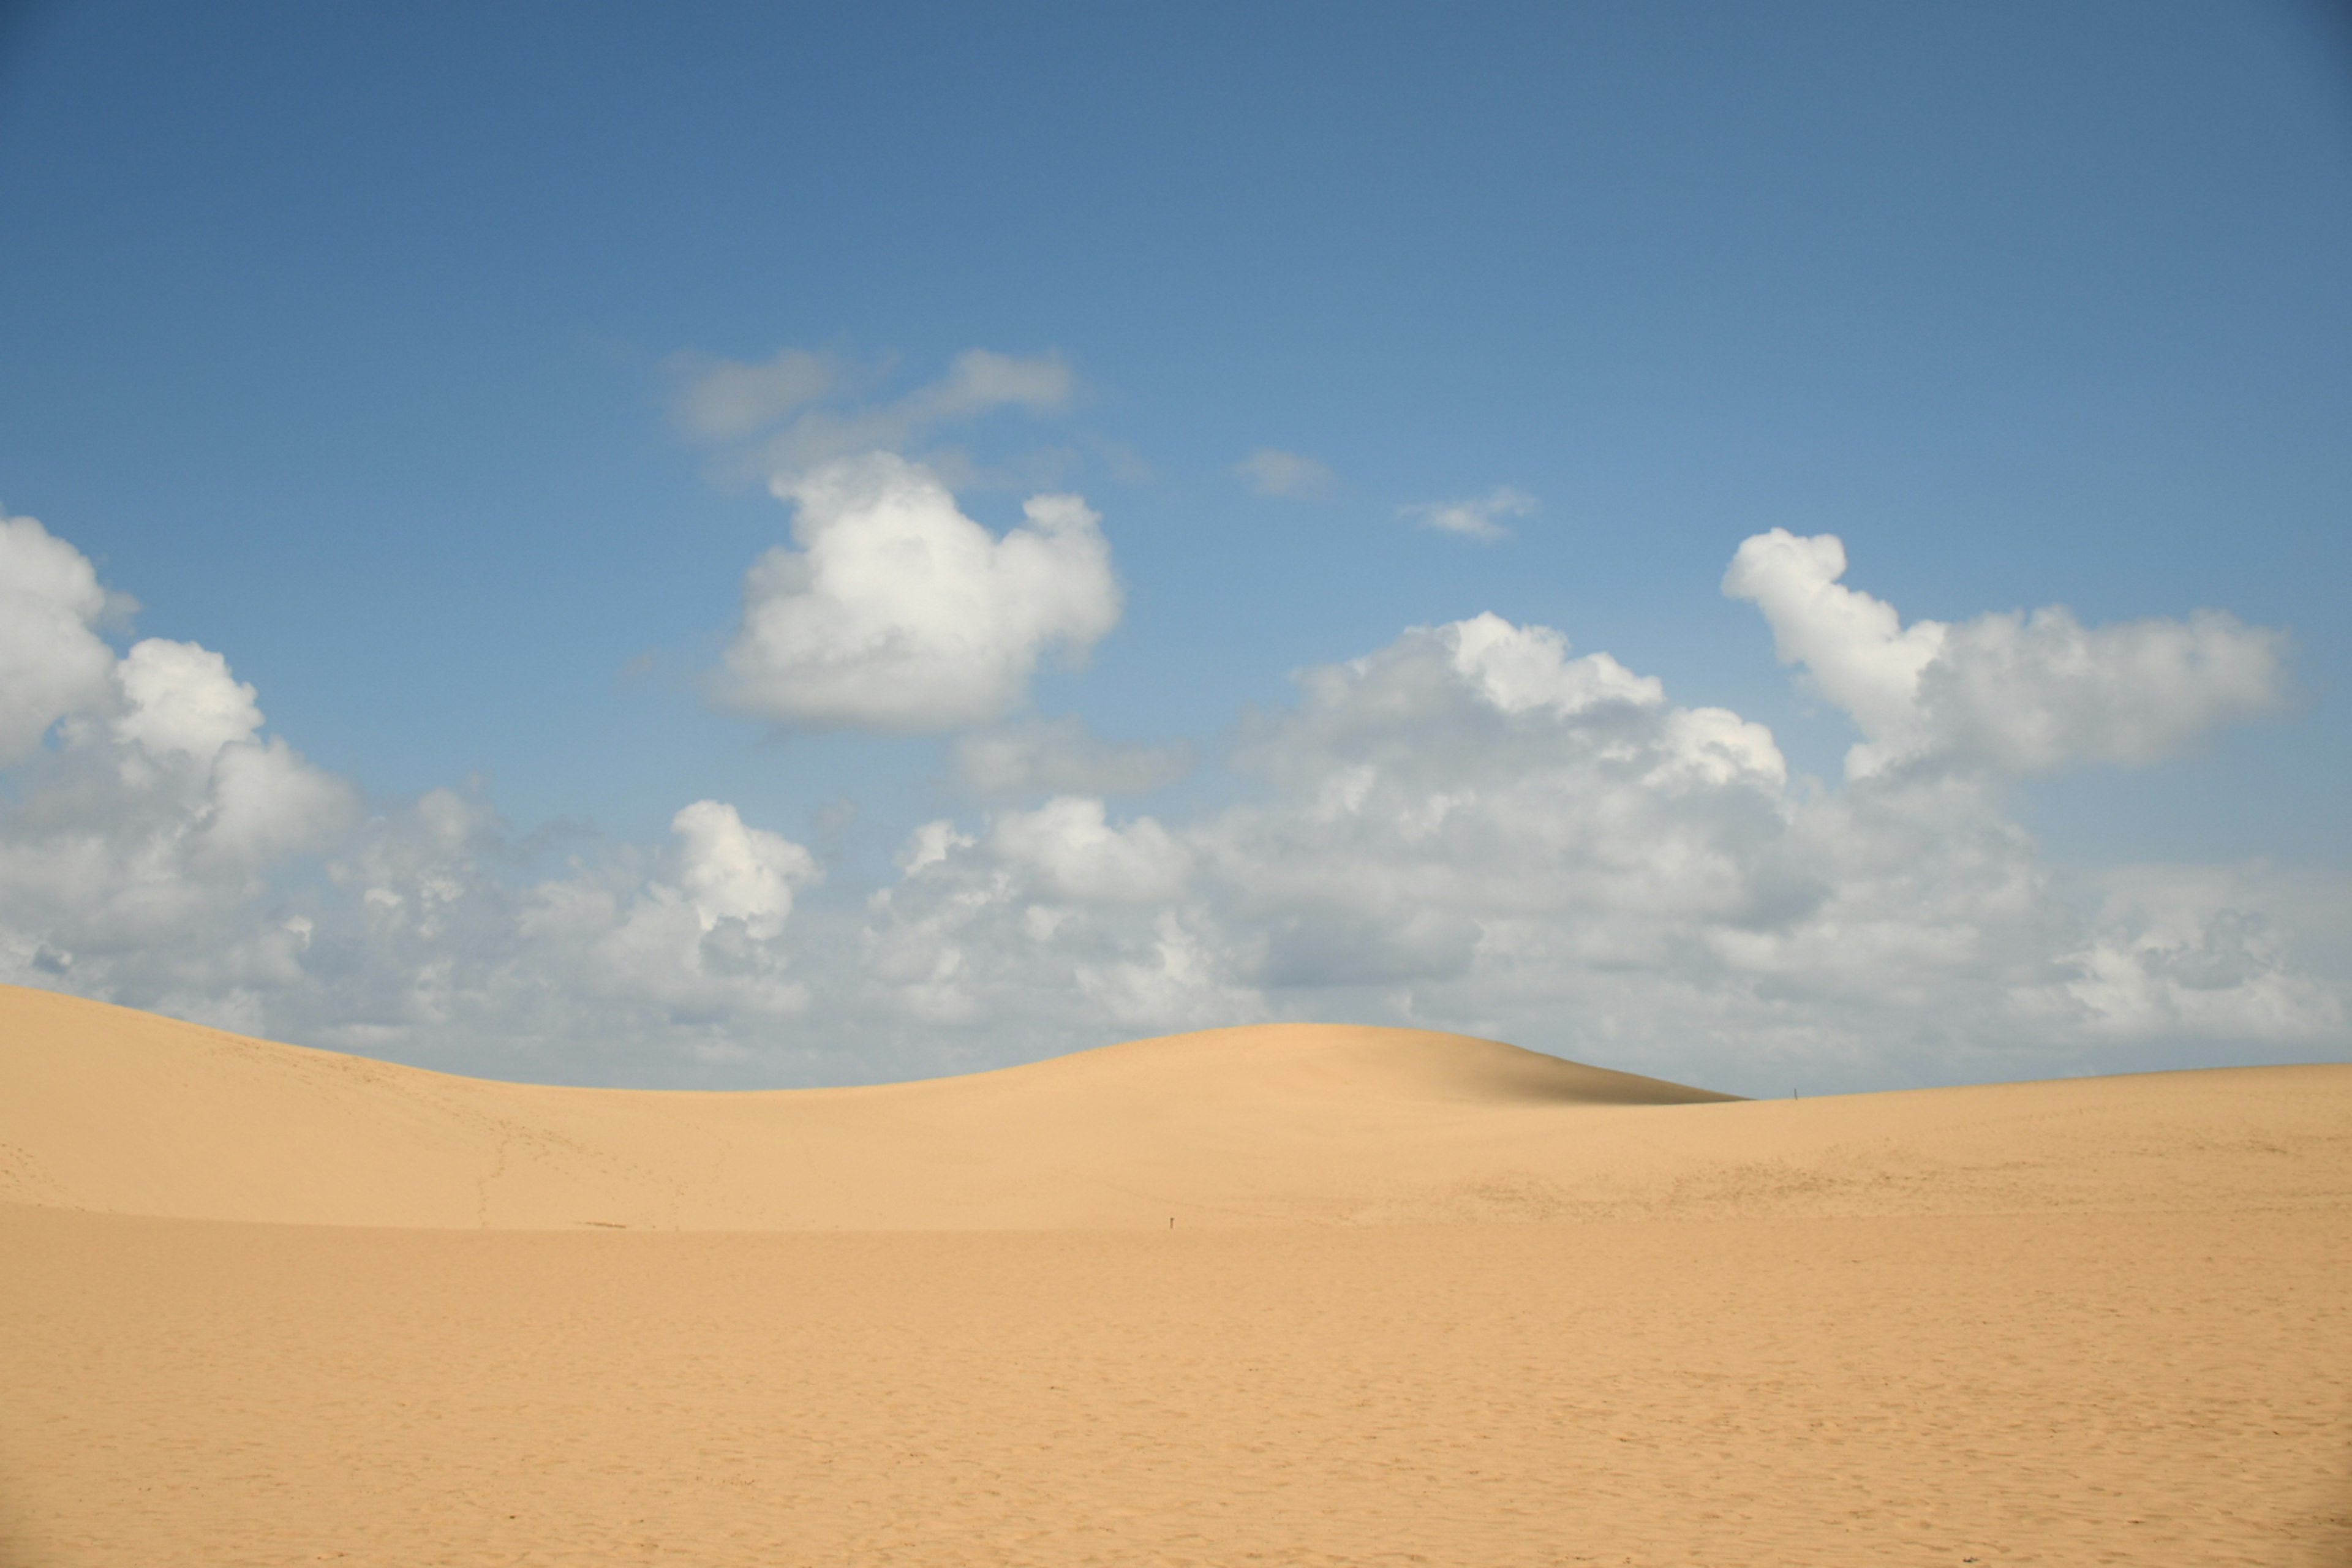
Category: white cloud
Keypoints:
(1520, 668)
(1476, 516)
(269, 803)
(179, 698)
(1273, 472)
(144, 843)
(1178, 974)
(2007, 692)
(2176, 950)
(52, 661)
(734, 872)
(1061, 756)
(165, 852)
(1054, 922)
(930, 843)
(1569, 861)
(1070, 846)
(1476, 767)
(898, 613)
(703, 946)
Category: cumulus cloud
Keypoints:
(1476, 768)
(731, 872)
(1479, 517)
(1468, 824)
(786, 415)
(898, 613)
(158, 848)
(52, 661)
(1273, 472)
(698, 938)
(1061, 756)
(268, 802)
(1057, 921)
(144, 837)
(2176, 950)
(181, 698)
(2008, 693)
(1074, 853)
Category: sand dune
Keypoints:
(947, 1323)
(110, 1110)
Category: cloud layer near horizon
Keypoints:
(1473, 827)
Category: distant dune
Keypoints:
(108, 1110)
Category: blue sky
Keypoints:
(357, 345)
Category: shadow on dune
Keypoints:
(1340, 1062)
(1510, 1073)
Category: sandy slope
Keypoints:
(2084, 1323)
(105, 1108)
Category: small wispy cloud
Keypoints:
(725, 399)
(1270, 471)
(1475, 515)
(785, 415)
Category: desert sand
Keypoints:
(1293, 1294)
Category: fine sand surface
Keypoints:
(1425, 1299)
